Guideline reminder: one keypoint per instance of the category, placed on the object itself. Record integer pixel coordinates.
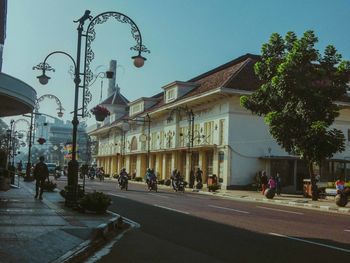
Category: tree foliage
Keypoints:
(298, 93)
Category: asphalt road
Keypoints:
(190, 227)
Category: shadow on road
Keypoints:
(168, 236)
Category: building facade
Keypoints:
(58, 136)
(200, 123)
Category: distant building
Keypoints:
(58, 136)
(228, 140)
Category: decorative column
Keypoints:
(164, 166)
(159, 165)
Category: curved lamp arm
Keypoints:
(50, 96)
(90, 55)
(44, 79)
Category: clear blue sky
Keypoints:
(186, 38)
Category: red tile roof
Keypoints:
(236, 74)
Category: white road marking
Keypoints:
(311, 242)
(346, 230)
(162, 196)
(280, 210)
(122, 196)
(230, 209)
(172, 209)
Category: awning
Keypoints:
(16, 97)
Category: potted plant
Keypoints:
(80, 192)
(95, 202)
(100, 112)
(213, 187)
(49, 186)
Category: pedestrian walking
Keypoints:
(192, 179)
(199, 174)
(263, 182)
(19, 167)
(41, 173)
(278, 184)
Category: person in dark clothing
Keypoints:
(264, 182)
(278, 184)
(173, 179)
(41, 172)
(192, 179)
(199, 179)
(199, 174)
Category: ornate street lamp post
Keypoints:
(90, 35)
(190, 118)
(35, 112)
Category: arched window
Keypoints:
(133, 146)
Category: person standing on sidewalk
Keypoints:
(278, 184)
(41, 172)
(263, 182)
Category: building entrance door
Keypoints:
(133, 161)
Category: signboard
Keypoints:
(67, 154)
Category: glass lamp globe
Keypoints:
(139, 61)
(43, 79)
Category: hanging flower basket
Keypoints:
(100, 116)
(41, 140)
(100, 112)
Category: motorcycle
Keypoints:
(57, 174)
(91, 175)
(179, 186)
(123, 183)
(152, 185)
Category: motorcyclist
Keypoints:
(91, 174)
(178, 179)
(123, 176)
(150, 176)
(173, 179)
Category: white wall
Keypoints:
(249, 139)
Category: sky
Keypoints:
(186, 38)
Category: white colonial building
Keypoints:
(228, 140)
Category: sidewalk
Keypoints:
(285, 199)
(45, 231)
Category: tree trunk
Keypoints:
(314, 188)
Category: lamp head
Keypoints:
(109, 74)
(43, 79)
(138, 60)
(60, 114)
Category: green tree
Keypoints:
(298, 93)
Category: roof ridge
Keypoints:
(226, 65)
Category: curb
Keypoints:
(98, 237)
(342, 210)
